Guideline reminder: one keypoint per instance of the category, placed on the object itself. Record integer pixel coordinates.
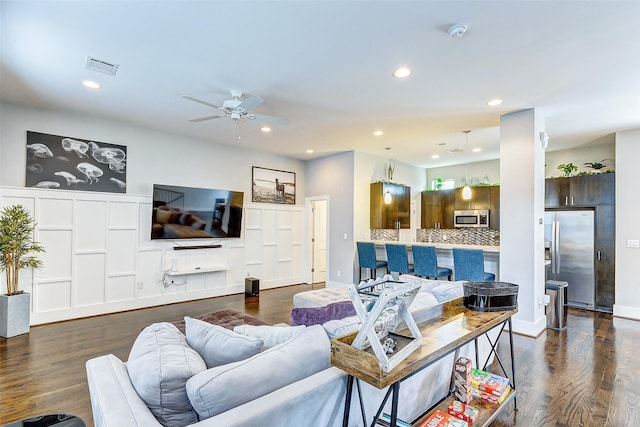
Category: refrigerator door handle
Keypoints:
(599, 257)
(556, 246)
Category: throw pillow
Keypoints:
(219, 389)
(162, 216)
(159, 365)
(318, 315)
(270, 335)
(448, 291)
(217, 345)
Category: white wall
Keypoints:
(595, 151)
(333, 176)
(99, 255)
(627, 301)
(490, 168)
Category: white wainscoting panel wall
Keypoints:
(100, 258)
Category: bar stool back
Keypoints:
(367, 259)
(468, 264)
(425, 263)
(397, 258)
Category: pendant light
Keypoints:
(389, 173)
(466, 190)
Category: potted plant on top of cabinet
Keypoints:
(596, 166)
(17, 249)
(567, 168)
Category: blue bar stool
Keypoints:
(425, 263)
(397, 259)
(468, 264)
(367, 259)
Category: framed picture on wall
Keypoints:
(66, 163)
(273, 186)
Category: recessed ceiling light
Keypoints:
(265, 129)
(435, 156)
(494, 102)
(477, 150)
(378, 133)
(402, 72)
(309, 151)
(91, 84)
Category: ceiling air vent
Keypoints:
(96, 64)
(455, 150)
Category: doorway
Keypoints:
(318, 234)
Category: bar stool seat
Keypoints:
(367, 259)
(425, 263)
(468, 264)
(397, 258)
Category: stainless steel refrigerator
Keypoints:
(569, 244)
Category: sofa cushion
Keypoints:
(270, 335)
(318, 315)
(160, 363)
(341, 327)
(217, 345)
(448, 290)
(219, 389)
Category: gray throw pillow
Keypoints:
(217, 345)
(159, 365)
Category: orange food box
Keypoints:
(463, 411)
(442, 419)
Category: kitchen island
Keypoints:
(445, 255)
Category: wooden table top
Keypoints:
(449, 326)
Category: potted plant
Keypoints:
(596, 166)
(16, 253)
(567, 168)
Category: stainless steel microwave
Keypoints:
(478, 218)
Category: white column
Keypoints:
(522, 214)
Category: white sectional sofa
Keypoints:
(290, 384)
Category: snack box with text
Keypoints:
(462, 379)
(442, 419)
(489, 383)
(463, 411)
(477, 394)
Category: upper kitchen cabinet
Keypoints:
(438, 206)
(580, 191)
(396, 214)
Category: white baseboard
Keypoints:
(626, 311)
(529, 329)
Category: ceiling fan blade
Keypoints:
(202, 119)
(271, 119)
(190, 98)
(251, 101)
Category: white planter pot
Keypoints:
(15, 312)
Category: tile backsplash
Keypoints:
(467, 236)
(392, 235)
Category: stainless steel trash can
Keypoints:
(556, 310)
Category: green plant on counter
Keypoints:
(567, 168)
(596, 166)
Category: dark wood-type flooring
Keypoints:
(586, 376)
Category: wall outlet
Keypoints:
(339, 273)
(544, 300)
(633, 243)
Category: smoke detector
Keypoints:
(458, 30)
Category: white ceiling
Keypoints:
(326, 66)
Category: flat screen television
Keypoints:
(195, 213)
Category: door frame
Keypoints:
(308, 277)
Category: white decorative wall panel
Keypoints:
(89, 279)
(100, 259)
(58, 255)
(122, 251)
(90, 225)
(55, 213)
(120, 288)
(123, 214)
(52, 296)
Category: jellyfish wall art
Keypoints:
(69, 163)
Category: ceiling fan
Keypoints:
(238, 109)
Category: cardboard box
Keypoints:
(462, 379)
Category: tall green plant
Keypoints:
(16, 244)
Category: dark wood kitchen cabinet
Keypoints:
(437, 206)
(396, 214)
(580, 191)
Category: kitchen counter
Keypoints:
(445, 256)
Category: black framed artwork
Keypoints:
(67, 163)
(273, 186)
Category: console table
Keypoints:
(450, 325)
